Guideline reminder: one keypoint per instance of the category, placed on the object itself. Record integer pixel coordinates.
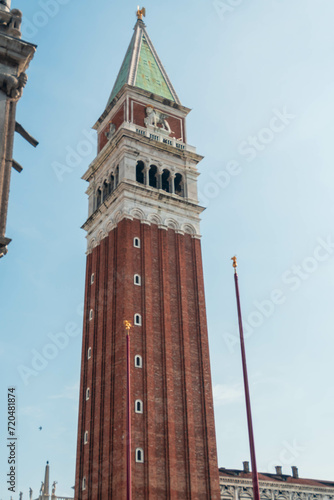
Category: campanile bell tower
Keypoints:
(144, 266)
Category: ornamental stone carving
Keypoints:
(157, 120)
(10, 22)
(299, 496)
(227, 490)
(11, 85)
(266, 493)
(244, 492)
(111, 132)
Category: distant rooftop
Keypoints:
(278, 477)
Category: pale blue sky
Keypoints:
(238, 69)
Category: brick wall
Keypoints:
(176, 430)
(117, 120)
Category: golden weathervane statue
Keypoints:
(141, 13)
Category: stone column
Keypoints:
(159, 174)
(5, 169)
(15, 56)
(146, 175)
(172, 183)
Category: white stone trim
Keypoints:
(134, 202)
(230, 488)
(135, 57)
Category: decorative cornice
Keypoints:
(17, 51)
(105, 224)
(127, 188)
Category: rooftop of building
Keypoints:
(278, 476)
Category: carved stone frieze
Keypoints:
(95, 237)
(157, 120)
(227, 490)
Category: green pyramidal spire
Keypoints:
(142, 68)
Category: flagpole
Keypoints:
(127, 325)
(256, 490)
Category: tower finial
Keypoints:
(235, 264)
(141, 13)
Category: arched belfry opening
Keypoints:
(98, 198)
(179, 185)
(153, 176)
(116, 177)
(165, 186)
(140, 172)
(105, 190)
(111, 183)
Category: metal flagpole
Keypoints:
(127, 325)
(256, 491)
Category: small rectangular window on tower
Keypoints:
(92, 278)
(136, 242)
(90, 314)
(139, 456)
(137, 280)
(138, 361)
(139, 406)
(137, 319)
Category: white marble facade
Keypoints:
(240, 488)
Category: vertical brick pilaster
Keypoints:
(93, 381)
(150, 343)
(169, 404)
(192, 472)
(83, 379)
